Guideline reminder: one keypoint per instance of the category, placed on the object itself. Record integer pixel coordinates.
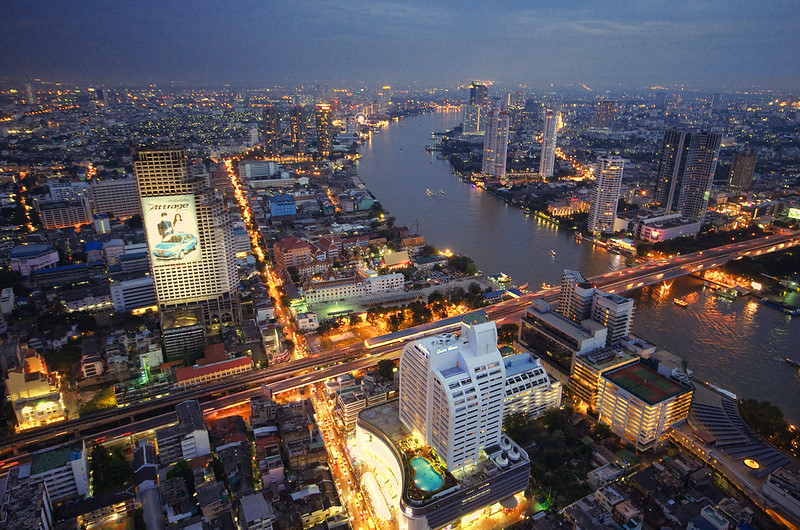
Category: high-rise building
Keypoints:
(30, 95)
(478, 94)
(686, 170)
(615, 312)
(605, 196)
(742, 169)
(189, 235)
(548, 153)
(298, 129)
(604, 114)
(576, 296)
(452, 389)
(116, 196)
(272, 131)
(495, 144)
(324, 129)
(473, 119)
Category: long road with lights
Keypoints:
(296, 374)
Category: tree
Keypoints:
(294, 274)
(110, 470)
(182, 470)
(463, 264)
(507, 333)
(602, 431)
(386, 368)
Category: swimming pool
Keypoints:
(425, 477)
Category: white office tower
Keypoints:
(576, 297)
(605, 196)
(452, 389)
(615, 312)
(189, 235)
(548, 155)
(472, 120)
(495, 144)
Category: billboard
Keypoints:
(170, 223)
(794, 213)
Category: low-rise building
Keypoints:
(64, 470)
(529, 389)
(28, 258)
(188, 439)
(193, 375)
(24, 504)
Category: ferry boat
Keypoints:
(785, 308)
(726, 292)
(680, 301)
(792, 362)
(501, 278)
(441, 191)
(428, 191)
(553, 253)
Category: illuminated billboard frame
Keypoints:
(170, 223)
(794, 213)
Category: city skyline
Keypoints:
(388, 42)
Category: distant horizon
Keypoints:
(716, 44)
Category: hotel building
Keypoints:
(641, 405)
(200, 269)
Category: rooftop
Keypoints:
(29, 250)
(55, 458)
(645, 383)
(521, 362)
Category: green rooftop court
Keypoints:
(645, 383)
(54, 458)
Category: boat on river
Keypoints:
(792, 362)
(726, 292)
(680, 301)
(501, 278)
(552, 252)
(428, 191)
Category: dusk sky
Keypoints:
(714, 44)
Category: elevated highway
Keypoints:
(281, 378)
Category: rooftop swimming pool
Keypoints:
(425, 477)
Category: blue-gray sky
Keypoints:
(711, 44)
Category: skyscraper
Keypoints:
(472, 120)
(605, 196)
(548, 153)
(298, 132)
(576, 297)
(324, 129)
(452, 389)
(686, 170)
(495, 144)
(189, 235)
(742, 169)
(478, 94)
(272, 132)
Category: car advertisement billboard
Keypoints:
(171, 225)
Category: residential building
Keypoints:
(62, 214)
(188, 439)
(742, 170)
(194, 375)
(473, 120)
(478, 93)
(257, 169)
(117, 196)
(133, 294)
(615, 312)
(298, 128)
(605, 196)
(604, 114)
(292, 252)
(588, 368)
(193, 263)
(576, 296)
(255, 513)
(495, 145)
(272, 131)
(529, 389)
(325, 132)
(686, 170)
(282, 205)
(64, 470)
(452, 391)
(24, 504)
(548, 152)
(27, 258)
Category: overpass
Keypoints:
(302, 372)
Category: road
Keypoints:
(305, 371)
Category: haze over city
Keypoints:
(708, 45)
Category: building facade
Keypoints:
(119, 197)
(495, 145)
(686, 170)
(548, 152)
(605, 196)
(742, 170)
(452, 391)
(272, 132)
(193, 265)
(324, 129)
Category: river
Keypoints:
(737, 345)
